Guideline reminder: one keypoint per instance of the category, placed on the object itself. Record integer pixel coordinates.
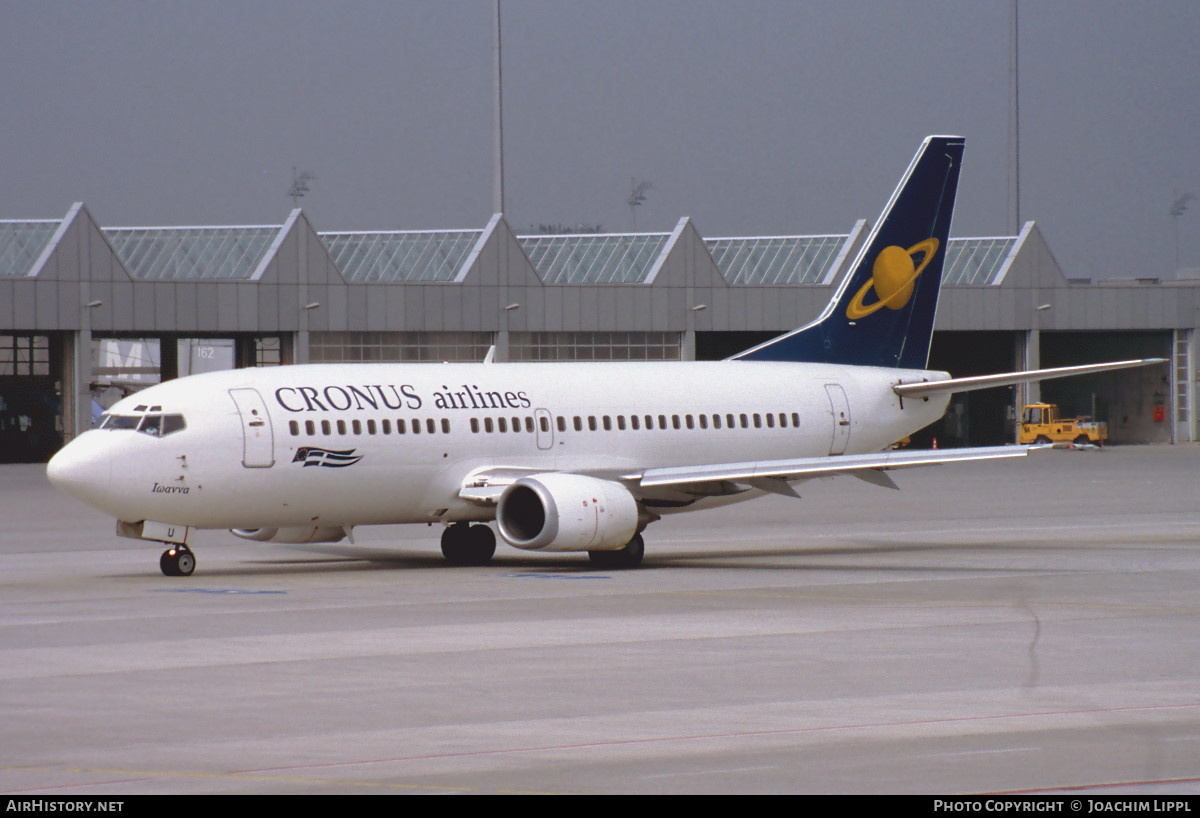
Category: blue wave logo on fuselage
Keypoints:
(329, 458)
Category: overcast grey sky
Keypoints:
(756, 117)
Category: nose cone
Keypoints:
(83, 469)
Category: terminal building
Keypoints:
(89, 314)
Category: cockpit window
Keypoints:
(153, 425)
(118, 422)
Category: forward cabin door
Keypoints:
(840, 410)
(258, 442)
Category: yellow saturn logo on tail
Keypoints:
(892, 277)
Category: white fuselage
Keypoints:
(344, 445)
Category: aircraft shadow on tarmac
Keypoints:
(795, 558)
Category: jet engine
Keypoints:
(298, 534)
(567, 512)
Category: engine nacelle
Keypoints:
(567, 512)
(298, 534)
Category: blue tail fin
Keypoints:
(882, 313)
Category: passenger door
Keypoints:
(258, 441)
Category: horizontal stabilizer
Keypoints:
(924, 389)
(808, 467)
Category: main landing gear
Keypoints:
(465, 544)
(177, 561)
(628, 557)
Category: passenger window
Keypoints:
(370, 427)
(729, 421)
(429, 426)
(689, 421)
(770, 421)
(561, 423)
(310, 428)
(675, 421)
(662, 421)
(592, 422)
(445, 426)
(796, 419)
(757, 420)
(487, 425)
(341, 427)
(400, 428)
(633, 422)
(529, 424)
(544, 423)
(294, 427)
(578, 423)
(621, 422)
(387, 426)
(745, 421)
(607, 423)
(356, 425)
(326, 429)
(416, 426)
(716, 421)
(502, 424)
(475, 425)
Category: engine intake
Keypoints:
(567, 512)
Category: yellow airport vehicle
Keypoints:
(1040, 423)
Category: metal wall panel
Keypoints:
(226, 294)
(289, 305)
(356, 304)
(435, 296)
(554, 321)
(572, 308)
(606, 308)
(393, 299)
(335, 307)
(316, 319)
(248, 308)
(185, 308)
(414, 308)
(207, 316)
(268, 306)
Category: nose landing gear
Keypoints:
(177, 561)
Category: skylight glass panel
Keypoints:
(191, 253)
(22, 243)
(399, 256)
(594, 258)
(976, 261)
(777, 260)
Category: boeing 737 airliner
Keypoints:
(562, 457)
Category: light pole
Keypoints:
(1177, 210)
(636, 196)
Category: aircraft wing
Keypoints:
(486, 486)
(773, 475)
